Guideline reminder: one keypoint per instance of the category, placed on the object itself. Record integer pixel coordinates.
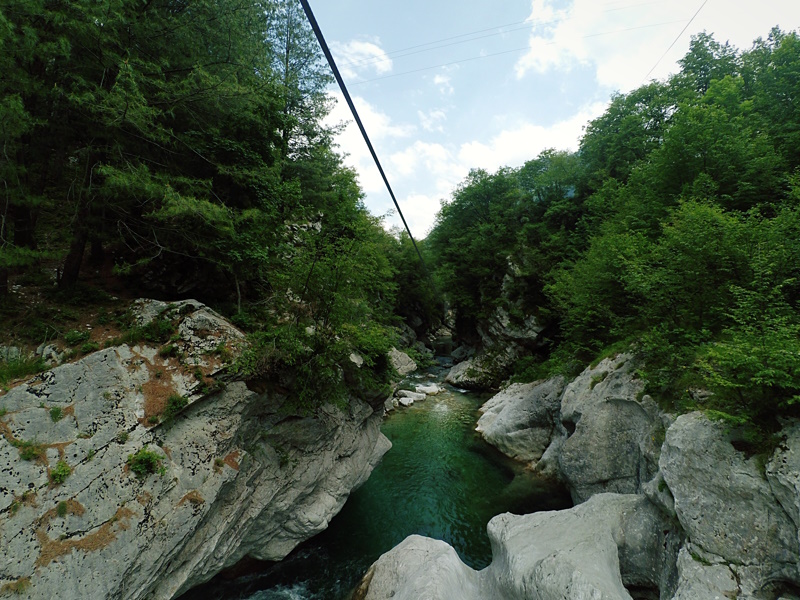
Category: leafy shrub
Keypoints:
(168, 351)
(90, 347)
(60, 472)
(175, 404)
(29, 450)
(73, 338)
(61, 509)
(145, 462)
(17, 369)
(56, 414)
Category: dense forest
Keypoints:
(673, 231)
(180, 147)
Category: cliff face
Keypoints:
(232, 474)
(666, 507)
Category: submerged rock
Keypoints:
(227, 476)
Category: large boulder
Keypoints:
(228, 475)
(613, 431)
(726, 505)
(521, 419)
(401, 362)
(591, 551)
(471, 374)
(417, 568)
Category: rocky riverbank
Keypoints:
(107, 491)
(667, 507)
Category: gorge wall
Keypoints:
(238, 477)
(666, 507)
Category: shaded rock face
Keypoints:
(612, 428)
(552, 425)
(727, 507)
(588, 552)
(238, 477)
(730, 523)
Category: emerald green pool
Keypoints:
(440, 479)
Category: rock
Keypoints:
(462, 353)
(10, 353)
(50, 354)
(429, 389)
(404, 401)
(240, 478)
(602, 411)
(520, 420)
(722, 499)
(469, 374)
(356, 359)
(401, 362)
(418, 568)
(590, 551)
(413, 396)
(707, 581)
(783, 472)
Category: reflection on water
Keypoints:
(440, 479)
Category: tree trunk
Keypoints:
(96, 252)
(74, 259)
(3, 283)
(23, 227)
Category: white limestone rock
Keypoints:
(603, 410)
(239, 477)
(520, 420)
(469, 374)
(401, 362)
(583, 553)
(430, 389)
(722, 499)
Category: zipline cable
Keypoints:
(520, 49)
(321, 39)
(675, 41)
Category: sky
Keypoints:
(445, 86)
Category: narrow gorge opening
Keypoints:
(440, 480)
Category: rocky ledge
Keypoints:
(667, 508)
(133, 474)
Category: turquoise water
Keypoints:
(440, 479)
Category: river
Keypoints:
(440, 479)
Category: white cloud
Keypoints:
(513, 147)
(442, 81)
(432, 120)
(624, 42)
(426, 172)
(381, 130)
(357, 57)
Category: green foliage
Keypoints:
(30, 450)
(73, 338)
(56, 413)
(673, 234)
(20, 368)
(89, 347)
(61, 509)
(175, 404)
(145, 462)
(60, 472)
